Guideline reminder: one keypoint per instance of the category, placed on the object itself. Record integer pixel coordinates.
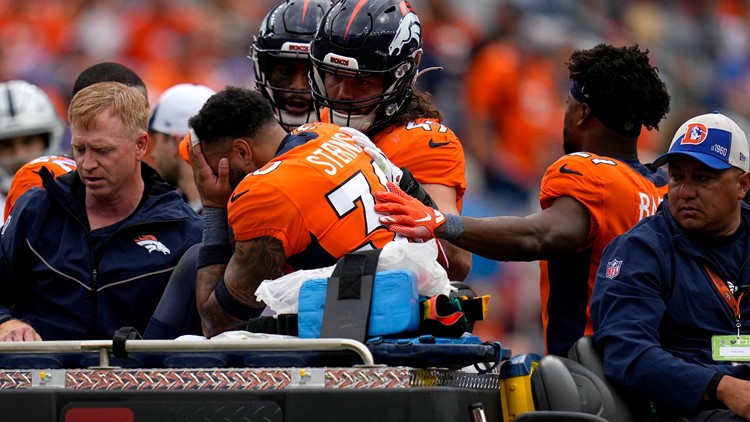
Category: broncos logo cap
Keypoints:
(713, 139)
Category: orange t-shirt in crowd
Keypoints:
(518, 95)
(617, 195)
(315, 197)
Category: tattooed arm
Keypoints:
(253, 261)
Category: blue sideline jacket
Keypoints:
(50, 278)
(655, 315)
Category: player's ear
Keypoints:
(744, 184)
(141, 145)
(241, 148)
(584, 112)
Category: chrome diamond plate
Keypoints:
(253, 379)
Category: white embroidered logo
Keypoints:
(151, 244)
(409, 29)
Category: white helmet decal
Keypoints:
(408, 29)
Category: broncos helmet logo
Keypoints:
(151, 244)
(408, 29)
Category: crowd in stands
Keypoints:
(503, 75)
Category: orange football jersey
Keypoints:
(27, 177)
(429, 150)
(616, 196)
(316, 198)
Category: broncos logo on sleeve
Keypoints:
(27, 177)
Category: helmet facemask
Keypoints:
(365, 114)
(281, 98)
(282, 42)
(361, 39)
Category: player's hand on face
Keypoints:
(392, 172)
(214, 188)
(406, 215)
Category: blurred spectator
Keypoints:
(449, 37)
(513, 113)
(166, 128)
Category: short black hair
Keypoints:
(232, 113)
(621, 81)
(108, 72)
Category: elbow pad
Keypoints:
(410, 185)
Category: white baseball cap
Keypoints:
(713, 139)
(175, 106)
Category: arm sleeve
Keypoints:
(627, 310)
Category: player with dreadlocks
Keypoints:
(596, 192)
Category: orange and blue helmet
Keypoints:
(363, 38)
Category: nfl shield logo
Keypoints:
(613, 268)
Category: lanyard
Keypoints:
(728, 296)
